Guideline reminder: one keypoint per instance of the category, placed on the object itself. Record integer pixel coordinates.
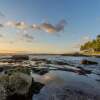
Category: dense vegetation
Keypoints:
(93, 45)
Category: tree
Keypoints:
(94, 45)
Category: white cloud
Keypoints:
(18, 25)
(24, 28)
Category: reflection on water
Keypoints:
(60, 77)
(57, 81)
(86, 83)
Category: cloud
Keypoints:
(28, 37)
(18, 25)
(10, 24)
(1, 35)
(1, 14)
(24, 28)
(21, 25)
(25, 36)
(1, 25)
(46, 27)
(50, 28)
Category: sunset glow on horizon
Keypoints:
(47, 26)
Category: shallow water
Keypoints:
(54, 80)
(59, 80)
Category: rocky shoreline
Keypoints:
(16, 83)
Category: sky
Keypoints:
(47, 26)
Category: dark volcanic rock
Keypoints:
(87, 62)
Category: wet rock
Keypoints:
(20, 57)
(18, 86)
(36, 87)
(60, 63)
(17, 70)
(1, 69)
(87, 62)
(38, 60)
(17, 83)
(83, 71)
(38, 63)
(98, 80)
(48, 62)
(3, 94)
(40, 71)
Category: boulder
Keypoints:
(18, 86)
(3, 94)
(88, 62)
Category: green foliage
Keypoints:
(94, 44)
